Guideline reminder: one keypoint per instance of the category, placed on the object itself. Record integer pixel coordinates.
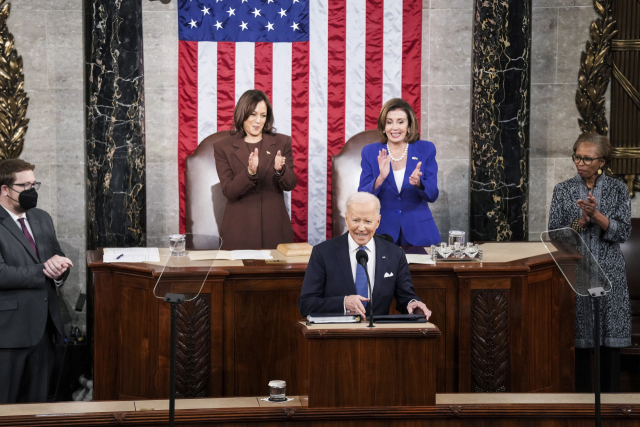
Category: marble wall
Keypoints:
(49, 37)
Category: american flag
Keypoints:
(327, 66)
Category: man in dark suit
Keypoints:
(336, 283)
(32, 267)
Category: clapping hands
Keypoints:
(278, 164)
(588, 209)
(253, 162)
(414, 179)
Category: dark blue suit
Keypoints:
(409, 208)
(329, 278)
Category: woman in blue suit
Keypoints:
(402, 172)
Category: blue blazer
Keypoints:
(409, 208)
(329, 278)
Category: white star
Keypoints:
(269, 1)
(218, 25)
(192, 23)
(244, 26)
(295, 1)
(231, 11)
(218, 1)
(269, 26)
(256, 13)
(295, 26)
(282, 12)
(206, 10)
(244, 1)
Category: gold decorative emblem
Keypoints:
(13, 98)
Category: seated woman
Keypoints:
(599, 208)
(402, 172)
(255, 166)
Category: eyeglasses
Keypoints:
(29, 185)
(586, 160)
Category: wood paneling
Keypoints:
(252, 309)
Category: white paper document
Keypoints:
(130, 255)
(229, 255)
(419, 259)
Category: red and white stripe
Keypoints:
(360, 53)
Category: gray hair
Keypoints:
(362, 198)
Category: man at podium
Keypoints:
(336, 283)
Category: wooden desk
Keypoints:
(505, 326)
(353, 365)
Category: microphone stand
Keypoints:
(596, 293)
(366, 271)
(175, 300)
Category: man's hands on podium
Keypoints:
(418, 307)
(353, 304)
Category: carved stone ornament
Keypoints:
(595, 71)
(13, 98)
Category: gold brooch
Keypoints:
(268, 152)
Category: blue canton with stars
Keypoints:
(273, 21)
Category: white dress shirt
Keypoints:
(370, 248)
(399, 178)
(26, 223)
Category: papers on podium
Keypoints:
(333, 318)
(419, 259)
(130, 255)
(230, 255)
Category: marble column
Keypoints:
(500, 98)
(114, 114)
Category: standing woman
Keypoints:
(599, 208)
(255, 166)
(402, 172)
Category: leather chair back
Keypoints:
(204, 201)
(345, 176)
(630, 250)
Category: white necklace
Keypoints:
(406, 150)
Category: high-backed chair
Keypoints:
(630, 250)
(345, 176)
(204, 201)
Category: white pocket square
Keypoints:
(388, 275)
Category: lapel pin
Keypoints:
(414, 158)
(383, 257)
(268, 152)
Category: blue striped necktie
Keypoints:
(361, 280)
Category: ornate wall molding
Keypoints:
(595, 71)
(489, 341)
(193, 352)
(606, 57)
(13, 98)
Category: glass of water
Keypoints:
(177, 244)
(456, 236)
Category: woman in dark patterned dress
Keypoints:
(599, 208)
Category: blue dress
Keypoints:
(407, 209)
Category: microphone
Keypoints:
(362, 258)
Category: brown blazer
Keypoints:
(256, 216)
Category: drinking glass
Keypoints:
(177, 244)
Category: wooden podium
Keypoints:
(351, 365)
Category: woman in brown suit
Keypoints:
(255, 166)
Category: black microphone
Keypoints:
(362, 258)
